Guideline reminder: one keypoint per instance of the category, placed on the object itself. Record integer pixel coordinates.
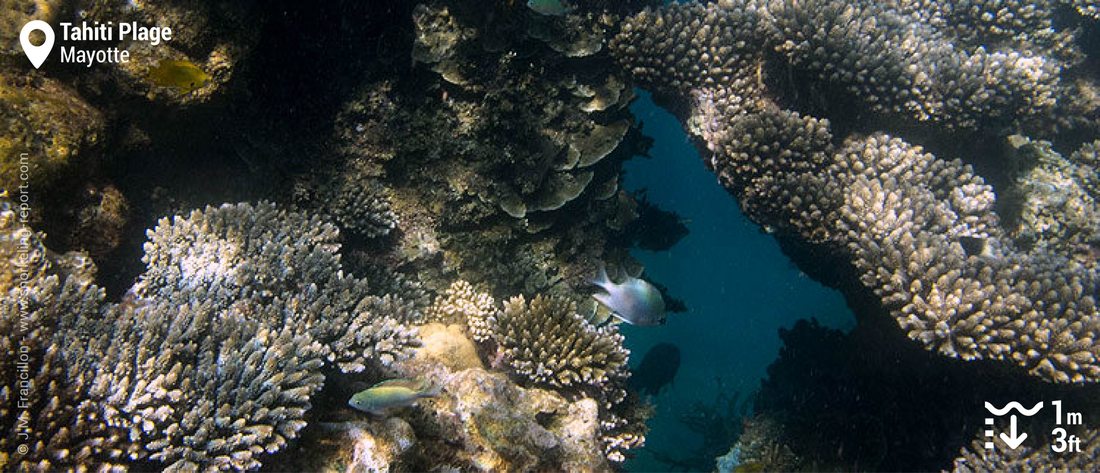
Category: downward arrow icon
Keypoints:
(1012, 440)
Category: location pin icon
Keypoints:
(37, 54)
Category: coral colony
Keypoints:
(260, 243)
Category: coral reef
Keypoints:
(920, 232)
(212, 358)
(523, 194)
(874, 394)
(963, 271)
(480, 421)
(549, 343)
(1052, 203)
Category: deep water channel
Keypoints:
(738, 286)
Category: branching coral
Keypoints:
(462, 303)
(549, 343)
(357, 203)
(214, 355)
(977, 457)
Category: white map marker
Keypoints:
(37, 54)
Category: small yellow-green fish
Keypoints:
(182, 75)
(391, 394)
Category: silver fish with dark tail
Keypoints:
(633, 301)
(392, 394)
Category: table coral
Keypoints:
(921, 232)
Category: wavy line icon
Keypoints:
(1013, 405)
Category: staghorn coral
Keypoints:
(195, 386)
(212, 250)
(1089, 8)
(213, 357)
(991, 301)
(898, 64)
(882, 54)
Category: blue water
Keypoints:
(738, 286)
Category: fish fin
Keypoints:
(432, 390)
(601, 278)
(413, 384)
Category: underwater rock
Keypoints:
(515, 429)
(16, 13)
(48, 131)
(483, 421)
(100, 220)
(447, 346)
(377, 453)
(208, 41)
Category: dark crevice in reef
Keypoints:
(885, 402)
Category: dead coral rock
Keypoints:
(448, 346)
(100, 220)
(45, 130)
(15, 13)
(504, 427)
